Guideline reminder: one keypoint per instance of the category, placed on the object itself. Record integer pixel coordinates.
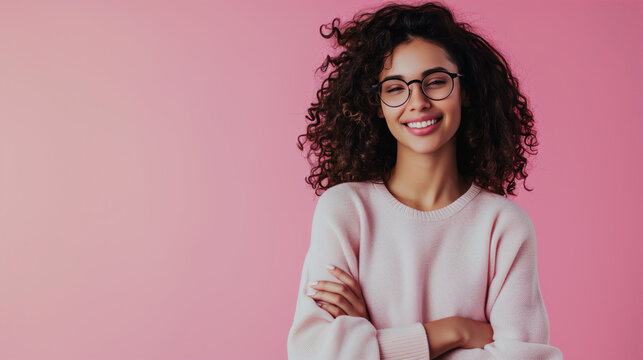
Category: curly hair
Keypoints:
(348, 140)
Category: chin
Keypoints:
(423, 149)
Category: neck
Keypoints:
(427, 181)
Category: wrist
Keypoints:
(443, 335)
(461, 330)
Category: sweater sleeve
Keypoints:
(314, 333)
(515, 307)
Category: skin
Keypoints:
(425, 177)
(341, 298)
(346, 298)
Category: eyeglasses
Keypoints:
(436, 85)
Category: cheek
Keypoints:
(392, 113)
(454, 108)
(387, 112)
(393, 127)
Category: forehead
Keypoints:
(410, 59)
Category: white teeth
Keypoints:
(422, 124)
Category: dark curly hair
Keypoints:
(349, 142)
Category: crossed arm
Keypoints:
(518, 323)
(346, 298)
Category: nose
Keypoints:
(417, 99)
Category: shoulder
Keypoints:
(339, 214)
(509, 218)
(345, 200)
(344, 194)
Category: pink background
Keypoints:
(152, 198)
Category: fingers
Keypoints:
(346, 279)
(338, 294)
(332, 309)
(342, 296)
(333, 298)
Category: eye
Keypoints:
(438, 82)
(394, 89)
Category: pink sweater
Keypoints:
(474, 258)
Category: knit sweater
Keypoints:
(474, 258)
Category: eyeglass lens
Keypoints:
(436, 86)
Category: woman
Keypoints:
(419, 133)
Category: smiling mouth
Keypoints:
(422, 124)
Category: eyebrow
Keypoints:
(425, 73)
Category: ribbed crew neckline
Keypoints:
(438, 214)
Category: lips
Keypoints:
(407, 123)
(422, 118)
(422, 131)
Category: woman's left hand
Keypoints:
(341, 299)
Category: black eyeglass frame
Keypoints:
(377, 87)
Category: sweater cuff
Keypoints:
(407, 342)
